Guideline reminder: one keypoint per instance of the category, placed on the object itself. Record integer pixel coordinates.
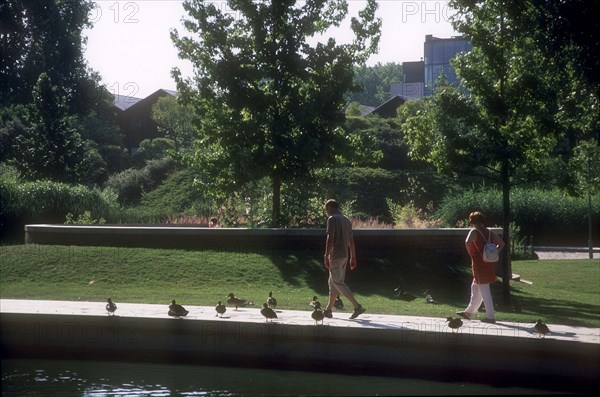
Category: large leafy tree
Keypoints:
(41, 36)
(504, 121)
(51, 147)
(45, 37)
(269, 103)
(175, 121)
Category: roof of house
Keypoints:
(124, 102)
(389, 107)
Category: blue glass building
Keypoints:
(437, 55)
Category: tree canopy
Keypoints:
(509, 115)
(269, 104)
(44, 38)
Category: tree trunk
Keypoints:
(276, 199)
(506, 263)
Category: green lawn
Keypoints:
(563, 291)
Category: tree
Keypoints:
(175, 121)
(45, 36)
(41, 37)
(373, 83)
(504, 120)
(268, 103)
(51, 148)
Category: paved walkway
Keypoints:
(299, 317)
(546, 253)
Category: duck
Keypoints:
(318, 314)
(454, 323)
(111, 307)
(429, 298)
(338, 304)
(541, 328)
(232, 300)
(271, 302)
(403, 295)
(315, 301)
(220, 308)
(268, 312)
(176, 310)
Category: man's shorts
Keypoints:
(337, 276)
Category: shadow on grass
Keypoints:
(378, 274)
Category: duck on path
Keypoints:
(541, 328)
(232, 300)
(318, 314)
(315, 301)
(271, 302)
(268, 312)
(176, 310)
(220, 309)
(454, 323)
(111, 307)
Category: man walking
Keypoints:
(339, 248)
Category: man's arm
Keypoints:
(352, 253)
(328, 250)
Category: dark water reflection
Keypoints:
(101, 378)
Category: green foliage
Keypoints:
(373, 83)
(409, 216)
(550, 216)
(49, 202)
(83, 219)
(154, 149)
(42, 37)
(175, 121)
(368, 188)
(177, 195)
(51, 147)
(42, 42)
(269, 104)
(130, 184)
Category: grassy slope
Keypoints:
(564, 291)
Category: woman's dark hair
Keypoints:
(476, 217)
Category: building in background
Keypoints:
(419, 77)
(437, 55)
(134, 116)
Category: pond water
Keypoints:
(103, 378)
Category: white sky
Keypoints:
(129, 44)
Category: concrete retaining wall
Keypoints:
(486, 357)
(426, 245)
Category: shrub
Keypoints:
(550, 216)
(49, 202)
(129, 185)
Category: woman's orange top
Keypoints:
(483, 272)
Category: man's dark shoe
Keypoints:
(357, 312)
(464, 315)
(488, 320)
(328, 314)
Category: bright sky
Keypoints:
(129, 44)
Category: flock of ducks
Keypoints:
(268, 309)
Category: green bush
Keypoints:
(176, 195)
(49, 202)
(549, 216)
(129, 185)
